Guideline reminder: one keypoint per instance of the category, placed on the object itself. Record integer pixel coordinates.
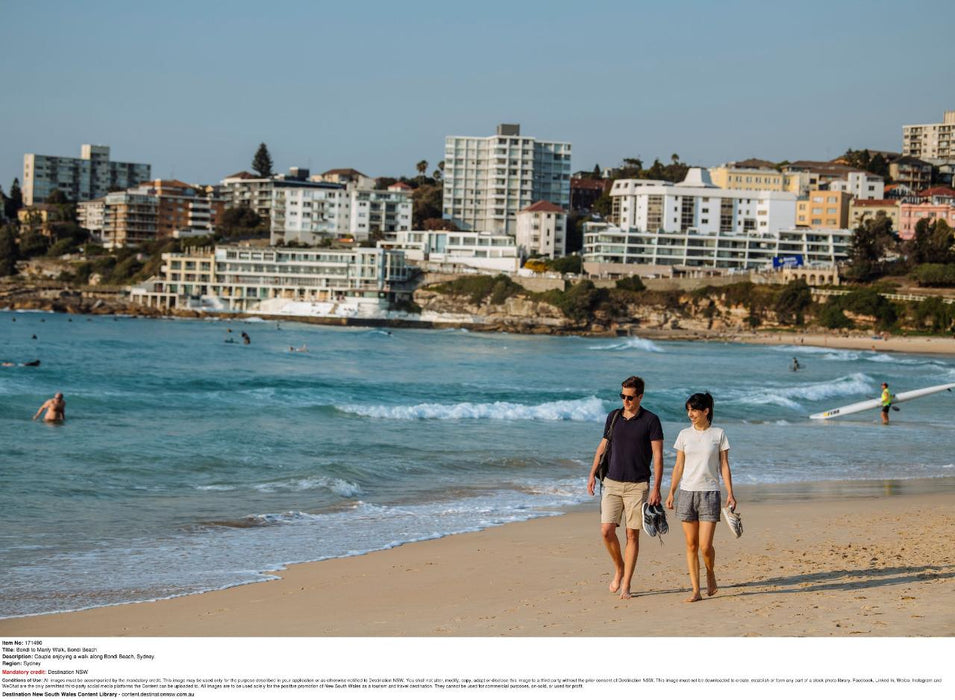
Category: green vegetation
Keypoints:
(935, 275)
(262, 161)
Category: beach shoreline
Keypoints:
(828, 559)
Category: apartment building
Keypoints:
(751, 174)
(90, 176)
(467, 250)
(860, 184)
(303, 209)
(930, 140)
(912, 172)
(279, 280)
(183, 209)
(487, 180)
(542, 230)
(910, 214)
(120, 219)
(613, 250)
(860, 210)
(823, 209)
(697, 205)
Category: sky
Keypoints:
(192, 88)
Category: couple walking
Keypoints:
(634, 436)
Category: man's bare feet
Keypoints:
(615, 583)
(693, 598)
(625, 595)
(711, 588)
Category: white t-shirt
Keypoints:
(701, 468)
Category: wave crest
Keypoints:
(589, 409)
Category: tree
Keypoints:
(932, 242)
(14, 202)
(438, 224)
(262, 162)
(427, 202)
(9, 251)
(879, 166)
(792, 302)
(240, 222)
(871, 244)
(422, 167)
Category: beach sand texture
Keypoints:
(848, 566)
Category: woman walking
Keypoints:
(702, 454)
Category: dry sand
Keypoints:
(823, 561)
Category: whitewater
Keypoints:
(189, 463)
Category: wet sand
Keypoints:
(843, 559)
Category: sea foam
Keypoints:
(589, 409)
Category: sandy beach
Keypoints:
(838, 559)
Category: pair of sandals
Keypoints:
(654, 520)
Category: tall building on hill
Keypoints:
(488, 180)
(930, 140)
(90, 176)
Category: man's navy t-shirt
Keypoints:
(631, 455)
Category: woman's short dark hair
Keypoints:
(633, 383)
(701, 402)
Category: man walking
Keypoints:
(637, 441)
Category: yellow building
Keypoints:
(823, 209)
(752, 174)
(862, 209)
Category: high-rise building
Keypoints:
(90, 176)
(488, 180)
(930, 140)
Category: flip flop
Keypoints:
(649, 520)
(660, 520)
(733, 520)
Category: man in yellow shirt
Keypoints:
(886, 403)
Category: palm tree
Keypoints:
(422, 167)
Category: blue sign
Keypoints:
(780, 261)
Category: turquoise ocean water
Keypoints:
(188, 463)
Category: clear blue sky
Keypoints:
(193, 87)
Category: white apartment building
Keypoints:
(90, 176)
(478, 250)
(612, 249)
(935, 141)
(307, 210)
(861, 185)
(542, 230)
(487, 180)
(295, 281)
(696, 205)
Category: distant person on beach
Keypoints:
(55, 409)
(637, 444)
(702, 453)
(886, 399)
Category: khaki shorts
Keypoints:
(623, 498)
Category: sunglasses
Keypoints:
(627, 397)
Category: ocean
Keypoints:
(188, 463)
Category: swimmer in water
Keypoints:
(55, 409)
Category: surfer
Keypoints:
(245, 338)
(55, 409)
(886, 403)
(795, 365)
(702, 454)
(637, 447)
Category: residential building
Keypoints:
(911, 214)
(487, 180)
(346, 176)
(752, 174)
(912, 172)
(542, 230)
(379, 211)
(613, 250)
(183, 209)
(938, 195)
(291, 281)
(584, 193)
(39, 217)
(823, 209)
(697, 205)
(860, 184)
(120, 219)
(457, 250)
(930, 140)
(807, 175)
(243, 189)
(90, 176)
(860, 210)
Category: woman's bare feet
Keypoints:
(624, 595)
(694, 597)
(615, 583)
(711, 588)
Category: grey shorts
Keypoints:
(693, 506)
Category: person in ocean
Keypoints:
(795, 365)
(55, 409)
(702, 453)
(886, 399)
(637, 444)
